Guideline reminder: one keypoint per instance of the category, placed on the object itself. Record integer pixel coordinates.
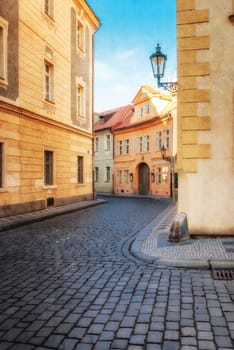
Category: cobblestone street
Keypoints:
(70, 283)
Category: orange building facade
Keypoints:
(138, 164)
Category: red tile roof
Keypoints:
(114, 118)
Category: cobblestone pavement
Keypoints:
(70, 283)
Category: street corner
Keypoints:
(153, 246)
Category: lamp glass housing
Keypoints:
(158, 62)
(163, 151)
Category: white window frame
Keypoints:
(48, 81)
(119, 147)
(96, 144)
(119, 176)
(49, 8)
(139, 144)
(165, 172)
(80, 98)
(2, 165)
(80, 170)
(108, 174)
(52, 183)
(3, 52)
(126, 146)
(146, 143)
(147, 108)
(159, 140)
(80, 35)
(125, 176)
(107, 142)
(166, 138)
(162, 175)
(96, 174)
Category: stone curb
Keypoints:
(198, 263)
(22, 219)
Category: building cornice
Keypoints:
(94, 20)
(144, 123)
(22, 112)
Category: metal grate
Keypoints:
(227, 274)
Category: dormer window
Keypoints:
(144, 110)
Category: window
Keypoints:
(49, 7)
(48, 81)
(80, 36)
(3, 50)
(96, 144)
(80, 101)
(146, 143)
(158, 140)
(1, 164)
(147, 108)
(165, 175)
(125, 176)
(139, 144)
(144, 110)
(119, 147)
(48, 168)
(162, 175)
(166, 138)
(107, 142)
(80, 170)
(96, 174)
(126, 146)
(119, 176)
(107, 174)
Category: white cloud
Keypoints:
(103, 72)
(118, 79)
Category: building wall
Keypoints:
(152, 158)
(206, 115)
(29, 123)
(25, 140)
(10, 88)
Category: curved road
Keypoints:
(70, 283)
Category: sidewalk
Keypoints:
(22, 219)
(151, 245)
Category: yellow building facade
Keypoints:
(206, 115)
(138, 164)
(46, 103)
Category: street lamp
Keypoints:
(163, 154)
(158, 63)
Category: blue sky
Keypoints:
(128, 35)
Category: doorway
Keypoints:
(143, 185)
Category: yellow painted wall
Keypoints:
(29, 125)
(206, 115)
(25, 140)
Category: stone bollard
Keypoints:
(178, 229)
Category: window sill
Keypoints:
(3, 189)
(3, 83)
(81, 52)
(49, 187)
(49, 101)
